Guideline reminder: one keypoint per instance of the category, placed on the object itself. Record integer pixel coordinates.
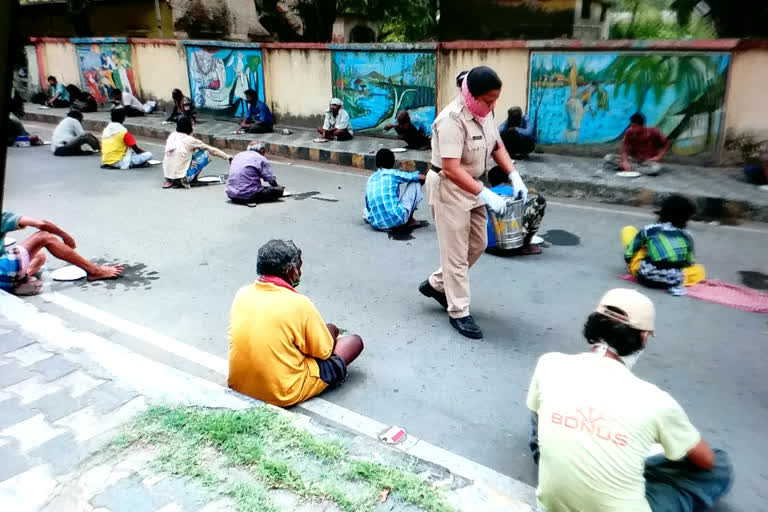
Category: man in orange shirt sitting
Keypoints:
(280, 349)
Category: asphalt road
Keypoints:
(188, 252)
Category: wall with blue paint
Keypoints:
(219, 77)
(105, 65)
(587, 98)
(375, 85)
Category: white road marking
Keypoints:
(369, 427)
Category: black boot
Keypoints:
(467, 327)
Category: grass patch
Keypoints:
(205, 445)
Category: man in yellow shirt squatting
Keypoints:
(594, 425)
(280, 349)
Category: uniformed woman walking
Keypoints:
(464, 138)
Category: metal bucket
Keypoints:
(508, 228)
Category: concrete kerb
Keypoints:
(160, 384)
(568, 186)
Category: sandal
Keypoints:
(168, 184)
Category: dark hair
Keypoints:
(176, 92)
(115, 92)
(497, 177)
(276, 257)
(514, 117)
(402, 115)
(460, 78)
(623, 338)
(184, 125)
(251, 92)
(117, 115)
(75, 114)
(677, 210)
(385, 159)
(482, 80)
(52, 78)
(637, 118)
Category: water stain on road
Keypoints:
(561, 237)
(753, 279)
(305, 195)
(134, 276)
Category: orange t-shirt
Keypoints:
(275, 334)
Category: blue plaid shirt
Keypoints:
(382, 198)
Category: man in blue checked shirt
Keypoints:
(392, 196)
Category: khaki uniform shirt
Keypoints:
(457, 134)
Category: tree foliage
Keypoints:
(742, 18)
(312, 20)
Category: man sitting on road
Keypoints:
(337, 125)
(69, 137)
(58, 95)
(391, 195)
(595, 424)
(415, 137)
(133, 107)
(118, 147)
(280, 349)
(246, 173)
(19, 264)
(641, 149)
(258, 118)
(17, 134)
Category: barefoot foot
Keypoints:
(105, 272)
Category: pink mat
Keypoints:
(726, 294)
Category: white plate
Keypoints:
(209, 179)
(319, 140)
(9, 241)
(287, 193)
(68, 273)
(154, 162)
(628, 174)
(536, 240)
(398, 150)
(764, 188)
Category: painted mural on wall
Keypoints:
(219, 77)
(105, 67)
(587, 98)
(374, 86)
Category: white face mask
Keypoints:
(629, 361)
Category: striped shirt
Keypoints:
(667, 245)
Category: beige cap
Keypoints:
(630, 307)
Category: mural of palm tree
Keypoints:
(695, 79)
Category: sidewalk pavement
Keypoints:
(719, 192)
(64, 394)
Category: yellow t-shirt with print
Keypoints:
(275, 334)
(597, 424)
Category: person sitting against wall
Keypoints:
(119, 149)
(757, 173)
(58, 95)
(185, 156)
(281, 350)
(133, 107)
(69, 137)
(641, 149)
(517, 134)
(337, 124)
(415, 137)
(182, 106)
(258, 118)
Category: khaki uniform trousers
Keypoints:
(463, 238)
